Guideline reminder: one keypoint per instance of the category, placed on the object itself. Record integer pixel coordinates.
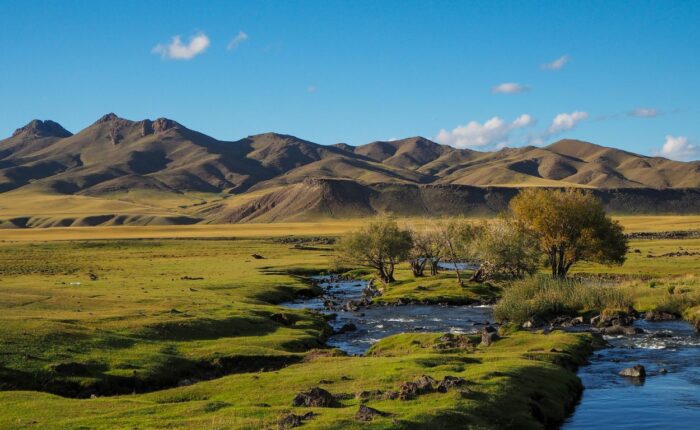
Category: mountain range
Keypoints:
(118, 171)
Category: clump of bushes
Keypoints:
(544, 298)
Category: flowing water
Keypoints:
(661, 400)
(377, 322)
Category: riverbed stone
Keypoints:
(618, 330)
(637, 371)
(659, 316)
(347, 328)
(315, 397)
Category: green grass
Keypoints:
(147, 323)
(505, 382)
(141, 320)
(442, 288)
(142, 324)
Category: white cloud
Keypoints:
(679, 148)
(240, 38)
(566, 121)
(509, 88)
(495, 131)
(644, 112)
(557, 64)
(311, 89)
(176, 50)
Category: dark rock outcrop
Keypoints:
(315, 397)
(289, 421)
(365, 413)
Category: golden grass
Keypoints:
(330, 227)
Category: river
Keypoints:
(670, 351)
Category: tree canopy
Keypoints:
(382, 244)
(569, 225)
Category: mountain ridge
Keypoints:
(116, 158)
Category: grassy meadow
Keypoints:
(180, 327)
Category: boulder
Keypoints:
(618, 318)
(288, 421)
(425, 384)
(365, 413)
(347, 328)
(637, 371)
(489, 335)
(366, 395)
(659, 316)
(408, 391)
(315, 397)
(618, 330)
(450, 382)
(561, 321)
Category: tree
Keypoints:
(505, 250)
(569, 225)
(382, 244)
(457, 237)
(427, 249)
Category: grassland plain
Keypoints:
(132, 316)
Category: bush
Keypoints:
(545, 298)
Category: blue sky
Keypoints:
(471, 74)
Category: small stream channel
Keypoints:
(669, 399)
(377, 322)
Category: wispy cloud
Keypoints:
(557, 64)
(494, 132)
(641, 112)
(311, 89)
(679, 148)
(509, 88)
(176, 50)
(566, 121)
(240, 38)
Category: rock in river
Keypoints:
(637, 371)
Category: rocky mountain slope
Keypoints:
(180, 174)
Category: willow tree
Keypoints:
(381, 244)
(569, 226)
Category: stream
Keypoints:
(377, 322)
(661, 400)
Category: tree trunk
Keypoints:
(418, 267)
(434, 267)
(478, 275)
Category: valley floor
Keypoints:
(188, 333)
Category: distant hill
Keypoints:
(160, 171)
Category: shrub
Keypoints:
(544, 298)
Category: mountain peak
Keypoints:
(39, 128)
(107, 118)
